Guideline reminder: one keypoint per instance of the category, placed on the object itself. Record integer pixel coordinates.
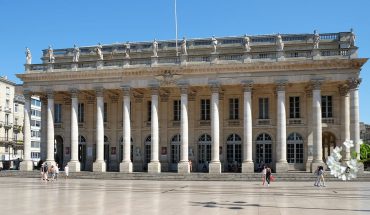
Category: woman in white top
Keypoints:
(263, 175)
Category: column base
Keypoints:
(183, 167)
(308, 165)
(26, 166)
(154, 167)
(74, 166)
(125, 167)
(99, 166)
(281, 167)
(247, 167)
(215, 167)
(316, 164)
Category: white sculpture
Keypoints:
(155, 48)
(51, 55)
(184, 51)
(279, 43)
(352, 39)
(214, 44)
(316, 40)
(98, 51)
(127, 50)
(247, 46)
(76, 54)
(28, 56)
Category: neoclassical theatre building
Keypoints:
(220, 104)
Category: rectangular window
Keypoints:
(16, 108)
(149, 111)
(263, 104)
(81, 112)
(7, 91)
(7, 119)
(176, 110)
(326, 106)
(294, 107)
(57, 113)
(205, 109)
(233, 108)
(105, 112)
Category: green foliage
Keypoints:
(365, 151)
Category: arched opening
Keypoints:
(328, 144)
(82, 152)
(295, 151)
(234, 153)
(58, 150)
(263, 150)
(175, 152)
(204, 152)
(148, 151)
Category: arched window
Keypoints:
(234, 148)
(204, 151)
(264, 148)
(175, 151)
(295, 148)
(148, 148)
(81, 140)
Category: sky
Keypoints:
(37, 24)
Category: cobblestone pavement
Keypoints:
(85, 196)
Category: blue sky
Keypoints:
(36, 24)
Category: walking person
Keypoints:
(52, 171)
(321, 176)
(66, 171)
(317, 180)
(56, 171)
(263, 175)
(268, 175)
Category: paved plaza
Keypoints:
(84, 196)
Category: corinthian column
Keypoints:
(215, 164)
(355, 114)
(126, 164)
(99, 164)
(344, 92)
(316, 125)
(27, 164)
(155, 166)
(74, 164)
(281, 162)
(247, 165)
(183, 166)
(50, 129)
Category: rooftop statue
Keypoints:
(76, 54)
(316, 39)
(214, 44)
(155, 48)
(127, 50)
(184, 51)
(51, 55)
(247, 46)
(99, 52)
(279, 43)
(28, 56)
(352, 39)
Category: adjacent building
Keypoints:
(225, 103)
(365, 132)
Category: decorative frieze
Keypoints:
(354, 83)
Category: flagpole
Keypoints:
(177, 52)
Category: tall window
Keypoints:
(149, 111)
(81, 112)
(6, 119)
(16, 108)
(205, 109)
(234, 108)
(326, 106)
(7, 91)
(176, 110)
(263, 104)
(295, 148)
(57, 113)
(264, 148)
(105, 112)
(294, 107)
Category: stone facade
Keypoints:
(232, 105)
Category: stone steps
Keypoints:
(165, 176)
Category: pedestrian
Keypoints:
(190, 165)
(317, 180)
(321, 176)
(46, 171)
(52, 171)
(268, 175)
(56, 171)
(66, 171)
(42, 171)
(263, 175)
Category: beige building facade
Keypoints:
(228, 104)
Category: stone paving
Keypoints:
(85, 196)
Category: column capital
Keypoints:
(354, 83)
(280, 85)
(50, 93)
(154, 88)
(343, 90)
(247, 85)
(316, 84)
(184, 88)
(126, 89)
(99, 91)
(215, 86)
(74, 92)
